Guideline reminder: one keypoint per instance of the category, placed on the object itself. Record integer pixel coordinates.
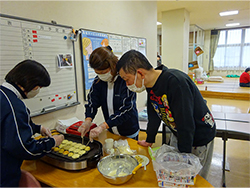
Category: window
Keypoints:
(233, 50)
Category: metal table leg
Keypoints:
(224, 138)
(164, 138)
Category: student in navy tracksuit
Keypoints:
(23, 81)
(110, 92)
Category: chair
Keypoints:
(28, 180)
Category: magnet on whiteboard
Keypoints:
(65, 37)
(69, 96)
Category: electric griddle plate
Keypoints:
(91, 145)
(88, 160)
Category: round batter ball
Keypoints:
(87, 148)
(76, 150)
(81, 152)
(56, 149)
(61, 146)
(72, 149)
(65, 152)
(75, 156)
(67, 147)
(69, 143)
(65, 141)
(82, 147)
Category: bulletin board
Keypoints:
(48, 44)
(90, 40)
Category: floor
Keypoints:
(238, 152)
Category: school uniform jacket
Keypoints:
(176, 101)
(244, 78)
(17, 143)
(118, 105)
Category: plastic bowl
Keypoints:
(123, 163)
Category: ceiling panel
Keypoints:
(205, 14)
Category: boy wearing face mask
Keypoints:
(17, 144)
(174, 99)
(110, 92)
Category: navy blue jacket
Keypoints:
(17, 143)
(125, 116)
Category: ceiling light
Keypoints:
(159, 23)
(232, 24)
(227, 13)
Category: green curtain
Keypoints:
(215, 34)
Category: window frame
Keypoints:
(242, 44)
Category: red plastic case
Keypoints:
(73, 128)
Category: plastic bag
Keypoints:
(143, 115)
(123, 147)
(173, 168)
(204, 76)
(62, 125)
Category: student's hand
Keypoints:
(58, 139)
(84, 128)
(45, 131)
(144, 143)
(96, 131)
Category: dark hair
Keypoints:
(102, 58)
(29, 74)
(133, 60)
(247, 69)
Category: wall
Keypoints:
(135, 18)
(159, 40)
(175, 49)
(206, 49)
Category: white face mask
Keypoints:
(134, 88)
(33, 93)
(107, 77)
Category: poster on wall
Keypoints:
(142, 46)
(89, 42)
(134, 43)
(115, 42)
(125, 44)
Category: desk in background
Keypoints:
(235, 117)
(233, 130)
(55, 177)
(228, 125)
(233, 126)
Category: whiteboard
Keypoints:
(45, 43)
